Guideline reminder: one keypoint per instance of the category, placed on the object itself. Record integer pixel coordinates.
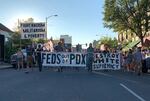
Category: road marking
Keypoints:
(108, 75)
(104, 74)
(133, 93)
(132, 81)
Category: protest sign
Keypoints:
(106, 61)
(33, 30)
(101, 60)
(63, 59)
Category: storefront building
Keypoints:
(4, 36)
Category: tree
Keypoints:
(17, 42)
(111, 43)
(132, 15)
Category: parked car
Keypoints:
(13, 61)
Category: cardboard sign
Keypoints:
(33, 30)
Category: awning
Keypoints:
(131, 45)
(4, 28)
(5, 31)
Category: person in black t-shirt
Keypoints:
(39, 50)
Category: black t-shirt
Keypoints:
(58, 48)
(39, 52)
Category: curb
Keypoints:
(6, 67)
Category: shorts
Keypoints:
(29, 59)
(19, 59)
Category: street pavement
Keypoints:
(73, 85)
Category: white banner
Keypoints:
(64, 59)
(33, 30)
(106, 61)
(101, 60)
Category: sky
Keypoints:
(81, 19)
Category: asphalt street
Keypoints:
(71, 85)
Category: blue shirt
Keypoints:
(138, 56)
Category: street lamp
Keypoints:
(46, 22)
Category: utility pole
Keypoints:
(46, 22)
(19, 32)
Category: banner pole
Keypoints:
(19, 32)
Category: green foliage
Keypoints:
(122, 15)
(9, 50)
(41, 41)
(17, 42)
(112, 43)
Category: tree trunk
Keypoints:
(142, 40)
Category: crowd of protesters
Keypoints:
(134, 59)
(130, 61)
(29, 56)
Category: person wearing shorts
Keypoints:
(29, 57)
(19, 59)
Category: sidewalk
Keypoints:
(5, 65)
